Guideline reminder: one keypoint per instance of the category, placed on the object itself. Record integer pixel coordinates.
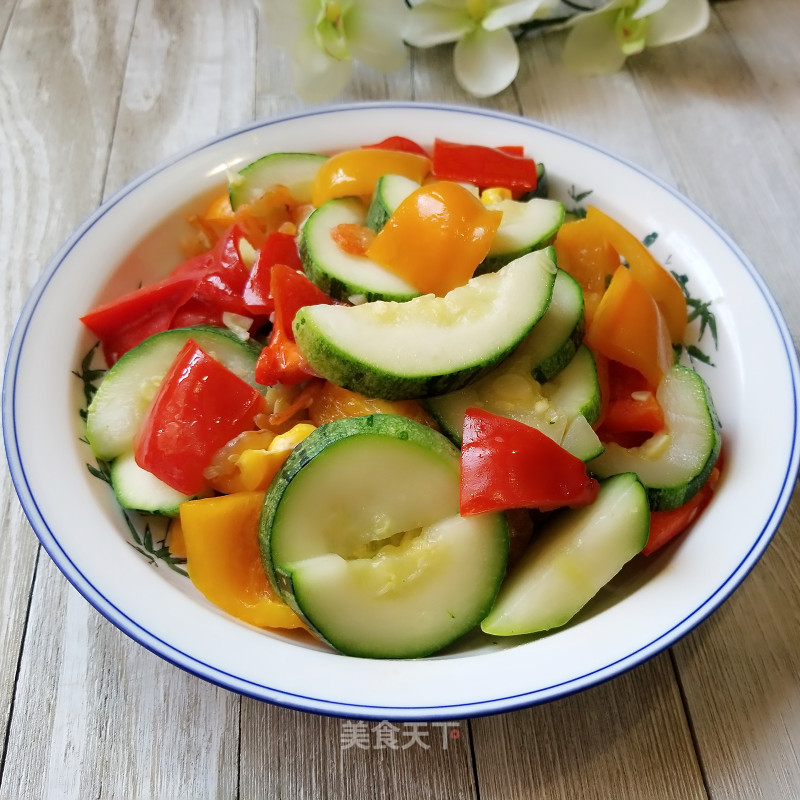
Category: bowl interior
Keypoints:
(135, 238)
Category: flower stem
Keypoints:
(536, 25)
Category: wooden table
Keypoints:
(93, 92)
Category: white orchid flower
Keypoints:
(600, 41)
(324, 37)
(485, 58)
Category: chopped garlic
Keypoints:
(656, 446)
(247, 252)
(238, 324)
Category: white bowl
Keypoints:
(133, 237)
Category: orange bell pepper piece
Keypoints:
(661, 285)
(583, 251)
(333, 402)
(629, 327)
(436, 237)
(354, 173)
(219, 212)
(224, 560)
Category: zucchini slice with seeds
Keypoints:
(343, 275)
(361, 536)
(295, 171)
(674, 464)
(428, 345)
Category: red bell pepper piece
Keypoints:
(129, 320)
(280, 361)
(631, 411)
(279, 248)
(666, 525)
(199, 406)
(197, 292)
(223, 276)
(484, 166)
(507, 464)
(398, 143)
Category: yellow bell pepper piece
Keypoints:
(495, 194)
(258, 468)
(175, 540)
(253, 460)
(436, 237)
(224, 561)
(354, 173)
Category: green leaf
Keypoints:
(650, 239)
(102, 471)
(578, 210)
(699, 309)
(154, 549)
(90, 377)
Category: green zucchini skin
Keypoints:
(542, 183)
(296, 171)
(525, 227)
(119, 405)
(123, 397)
(558, 335)
(323, 438)
(574, 554)
(428, 345)
(510, 391)
(398, 574)
(341, 275)
(390, 191)
(139, 490)
(672, 469)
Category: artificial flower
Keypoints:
(601, 40)
(485, 57)
(324, 38)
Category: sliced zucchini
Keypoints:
(675, 463)
(140, 490)
(555, 339)
(525, 226)
(361, 536)
(581, 440)
(428, 345)
(576, 388)
(295, 171)
(511, 391)
(343, 275)
(390, 191)
(121, 401)
(575, 554)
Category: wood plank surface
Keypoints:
(48, 183)
(92, 93)
(174, 86)
(628, 738)
(741, 669)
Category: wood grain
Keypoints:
(625, 739)
(288, 754)
(722, 114)
(107, 695)
(48, 182)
